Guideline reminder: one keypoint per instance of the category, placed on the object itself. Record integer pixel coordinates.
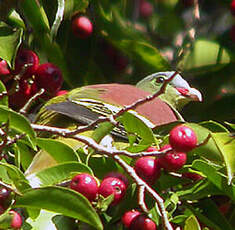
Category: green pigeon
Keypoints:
(86, 104)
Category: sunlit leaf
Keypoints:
(10, 40)
(192, 224)
(226, 145)
(215, 177)
(59, 151)
(61, 200)
(16, 121)
(56, 174)
(205, 55)
(16, 176)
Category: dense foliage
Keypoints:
(49, 47)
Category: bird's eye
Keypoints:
(160, 79)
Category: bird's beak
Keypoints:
(191, 93)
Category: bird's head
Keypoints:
(178, 92)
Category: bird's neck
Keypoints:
(174, 101)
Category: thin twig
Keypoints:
(141, 196)
(30, 101)
(115, 155)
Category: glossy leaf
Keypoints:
(35, 15)
(208, 149)
(16, 121)
(226, 145)
(4, 99)
(61, 200)
(57, 174)
(213, 126)
(10, 40)
(205, 54)
(215, 177)
(16, 176)
(192, 224)
(59, 151)
(136, 126)
(75, 6)
(143, 52)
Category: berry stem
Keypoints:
(26, 107)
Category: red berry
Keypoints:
(49, 77)
(192, 176)
(82, 27)
(16, 222)
(24, 93)
(4, 194)
(224, 208)
(148, 168)
(172, 161)
(28, 57)
(151, 149)
(129, 216)
(86, 185)
(119, 176)
(142, 222)
(232, 7)
(115, 186)
(182, 138)
(4, 68)
(146, 9)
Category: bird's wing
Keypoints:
(89, 102)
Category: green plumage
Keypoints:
(84, 105)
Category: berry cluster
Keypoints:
(16, 219)
(134, 220)
(28, 77)
(113, 183)
(182, 139)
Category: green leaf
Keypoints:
(192, 224)
(61, 200)
(209, 209)
(198, 191)
(4, 99)
(135, 125)
(208, 150)
(26, 154)
(75, 6)
(57, 174)
(213, 126)
(215, 177)
(231, 125)
(144, 52)
(16, 121)
(226, 146)
(35, 15)
(205, 55)
(15, 20)
(16, 176)
(59, 151)
(10, 40)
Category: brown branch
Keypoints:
(115, 155)
(26, 107)
(141, 196)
